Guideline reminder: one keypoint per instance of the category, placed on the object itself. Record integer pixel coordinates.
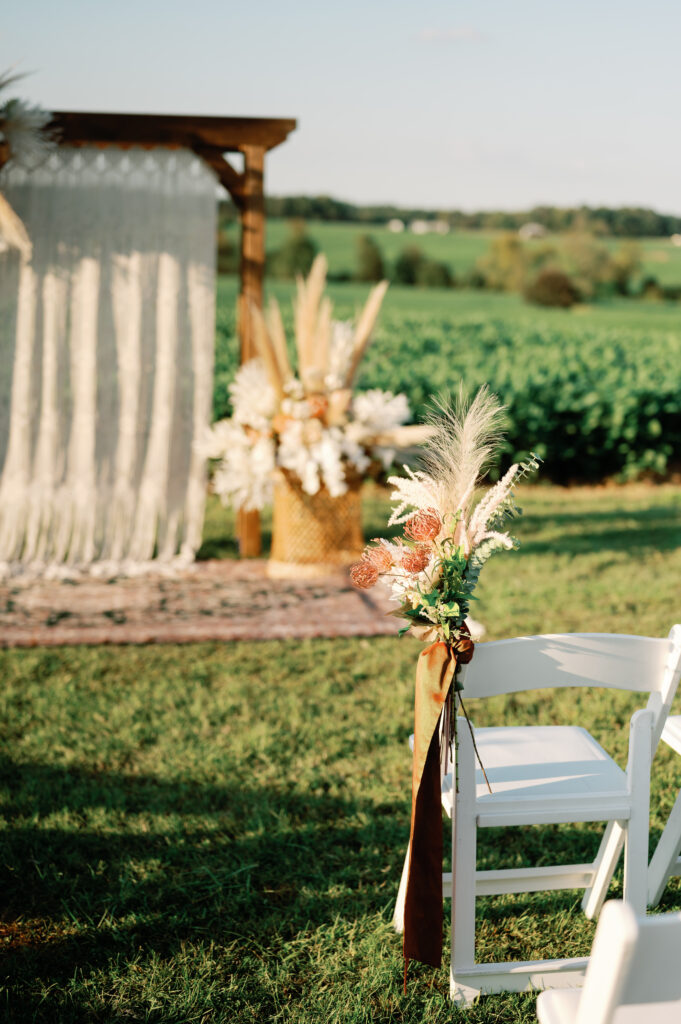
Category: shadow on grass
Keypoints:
(99, 869)
(657, 528)
(226, 545)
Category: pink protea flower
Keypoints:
(415, 560)
(424, 525)
(380, 557)
(364, 574)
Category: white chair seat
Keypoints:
(555, 765)
(559, 1006)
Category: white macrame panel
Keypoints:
(106, 359)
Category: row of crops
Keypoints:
(593, 403)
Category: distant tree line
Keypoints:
(411, 267)
(622, 222)
(579, 267)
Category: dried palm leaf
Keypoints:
(12, 230)
(322, 342)
(266, 350)
(364, 328)
(275, 328)
(306, 314)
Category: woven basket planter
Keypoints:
(313, 534)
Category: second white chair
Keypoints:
(633, 974)
(666, 861)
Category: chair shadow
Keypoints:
(658, 529)
(235, 862)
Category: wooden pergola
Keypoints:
(213, 139)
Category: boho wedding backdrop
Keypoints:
(107, 316)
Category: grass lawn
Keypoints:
(461, 303)
(214, 833)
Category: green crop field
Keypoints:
(595, 390)
(459, 249)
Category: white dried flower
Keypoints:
(415, 491)
(254, 400)
(244, 476)
(379, 411)
(341, 348)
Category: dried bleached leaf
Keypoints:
(275, 327)
(364, 328)
(306, 315)
(265, 349)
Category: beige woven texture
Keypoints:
(313, 534)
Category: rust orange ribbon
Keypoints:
(423, 899)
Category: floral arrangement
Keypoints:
(434, 568)
(308, 425)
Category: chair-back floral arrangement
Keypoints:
(433, 570)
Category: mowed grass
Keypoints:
(215, 833)
(460, 304)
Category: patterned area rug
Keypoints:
(213, 600)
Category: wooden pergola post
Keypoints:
(252, 216)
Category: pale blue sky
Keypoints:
(485, 104)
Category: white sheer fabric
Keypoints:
(106, 360)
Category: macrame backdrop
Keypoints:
(106, 359)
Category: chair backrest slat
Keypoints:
(615, 661)
(634, 960)
(656, 977)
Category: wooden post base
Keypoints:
(248, 531)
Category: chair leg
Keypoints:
(463, 867)
(636, 840)
(398, 915)
(605, 863)
(663, 863)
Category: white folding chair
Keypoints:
(552, 775)
(633, 974)
(666, 861)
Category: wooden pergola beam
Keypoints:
(229, 178)
(80, 128)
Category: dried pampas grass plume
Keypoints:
(466, 437)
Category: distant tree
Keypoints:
(539, 256)
(296, 254)
(552, 288)
(408, 265)
(588, 263)
(370, 265)
(433, 274)
(650, 289)
(504, 265)
(626, 264)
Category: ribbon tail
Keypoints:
(423, 898)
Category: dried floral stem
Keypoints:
(475, 746)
